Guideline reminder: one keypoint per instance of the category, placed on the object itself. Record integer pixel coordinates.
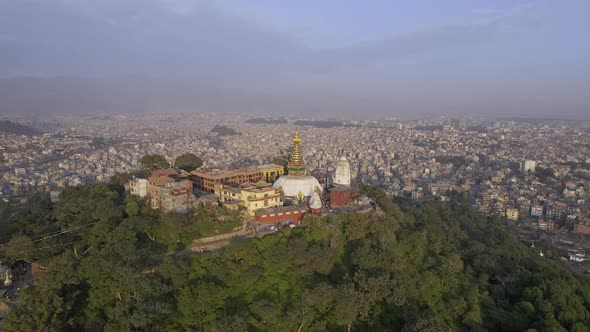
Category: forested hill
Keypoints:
(435, 267)
(10, 127)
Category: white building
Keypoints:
(20, 171)
(537, 210)
(342, 175)
(139, 187)
(577, 256)
(528, 165)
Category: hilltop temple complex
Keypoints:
(274, 199)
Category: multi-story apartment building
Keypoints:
(524, 206)
(205, 180)
(537, 210)
(166, 190)
(138, 187)
(512, 214)
(547, 225)
(250, 196)
(556, 211)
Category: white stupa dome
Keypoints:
(293, 185)
(297, 183)
(315, 202)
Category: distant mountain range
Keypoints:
(87, 95)
(10, 127)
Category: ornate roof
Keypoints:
(296, 166)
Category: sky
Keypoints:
(494, 57)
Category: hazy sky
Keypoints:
(531, 57)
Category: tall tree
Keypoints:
(149, 162)
(19, 247)
(188, 162)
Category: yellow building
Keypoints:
(271, 172)
(512, 214)
(547, 225)
(250, 196)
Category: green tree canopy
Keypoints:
(188, 162)
(150, 162)
(431, 266)
(224, 131)
(19, 247)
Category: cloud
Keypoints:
(190, 37)
(206, 47)
(473, 30)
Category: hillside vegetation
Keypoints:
(431, 267)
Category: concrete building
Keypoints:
(205, 180)
(270, 172)
(252, 197)
(512, 214)
(524, 206)
(556, 211)
(276, 218)
(582, 228)
(169, 190)
(179, 200)
(138, 187)
(54, 196)
(537, 210)
(439, 188)
(528, 166)
(547, 225)
(342, 196)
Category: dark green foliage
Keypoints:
(434, 267)
(319, 123)
(10, 127)
(544, 173)
(98, 142)
(188, 162)
(283, 158)
(121, 178)
(267, 121)
(224, 131)
(149, 162)
(19, 247)
(131, 206)
(457, 161)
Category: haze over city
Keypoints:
(335, 58)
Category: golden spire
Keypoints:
(296, 138)
(296, 165)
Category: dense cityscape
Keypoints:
(188, 165)
(263, 175)
(520, 170)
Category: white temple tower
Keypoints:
(342, 176)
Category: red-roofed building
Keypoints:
(277, 218)
(342, 196)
